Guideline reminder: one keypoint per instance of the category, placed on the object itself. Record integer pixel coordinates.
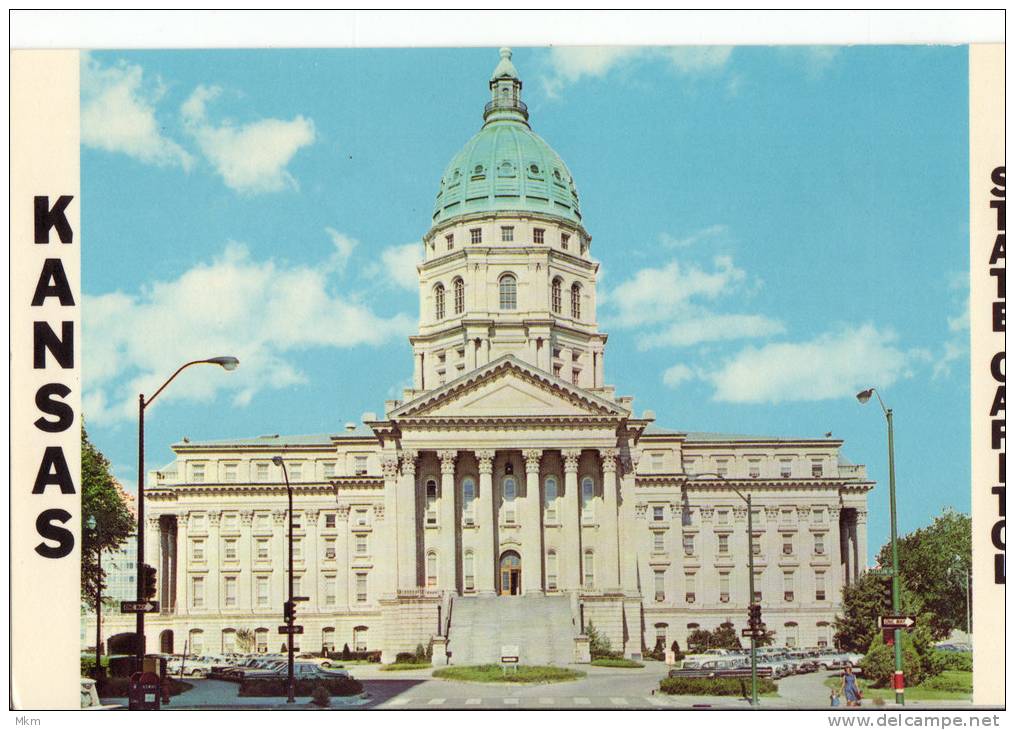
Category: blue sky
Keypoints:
(777, 227)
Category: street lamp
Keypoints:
(750, 579)
(91, 524)
(226, 363)
(863, 396)
(290, 607)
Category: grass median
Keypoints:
(951, 684)
(617, 662)
(520, 674)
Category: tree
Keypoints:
(933, 563)
(725, 637)
(599, 645)
(100, 499)
(675, 648)
(245, 640)
(864, 601)
(699, 640)
(919, 658)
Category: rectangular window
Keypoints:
(476, 235)
(329, 549)
(724, 544)
(787, 544)
(819, 543)
(537, 235)
(229, 472)
(690, 588)
(658, 513)
(575, 377)
(230, 522)
(263, 550)
(329, 469)
(361, 588)
(362, 517)
(564, 240)
(361, 466)
(659, 542)
(197, 592)
(262, 587)
(262, 521)
(431, 503)
(361, 544)
(724, 587)
(330, 586)
(722, 467)
(657, 462)
(229, 594)
(468, 568)
(228, 642)
(229, 550)
(819, 515)
(756, 544)
(786, 516)
(688, 543)
(329, 520)
(551, 571)
(295, 471)
(660, 585)
(297, 518)
(297, 549)
(507, 234)
(450, 239)
(590, 569)
(819, 585)
(787, 586)
(297, 585)
(197, 473)
(556, 370)
(754, 469)
(722, 516)
(785, 469)
(757, 586)
(816, 468)
(197, 550)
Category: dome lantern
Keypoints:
(505, 94)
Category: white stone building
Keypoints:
(510, 487)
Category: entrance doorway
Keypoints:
(166, 641)
(510, 574)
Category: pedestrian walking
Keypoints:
(850, 689)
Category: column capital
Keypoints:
(389, 467)
(312, 515)
(532, 459)
(247, 517)
(571, 457)
(279, 516)
(485, 458)
(861, 515)
(152, 522)
(409, 457)
(609, 459)
(342, 512)
(447, 458)
(214, 517)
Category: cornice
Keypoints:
(170, 492)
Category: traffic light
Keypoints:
(148, 584)
(289, 611)
(754, 615)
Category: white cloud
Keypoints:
(259, 311)
(698, 59)
(699, 327)
(703, 234)
(344, 246)
(118, 114)
(677, 374)
(252, 157)
(397, 265)
(833, 365)
(957, 347)
(657, 295)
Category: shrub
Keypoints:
(321, 696)
(675, 648)
(921, 660)
(717, 686)
(961, 661)
(599, 645)
(336, 687)
(346, 654)
(405, 657)
(953, 681)
(421, 654)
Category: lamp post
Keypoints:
(226, 363)
(750, 576)
(91, 524)
(290, 604)
(863, 396)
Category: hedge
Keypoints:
(720, 686)
(960, 660)
(337, 687)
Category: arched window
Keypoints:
(327, 640)
(508, 292)
(589, 564)
(509, 490)
(438, 297)
(555, 295)
(359, 638)
(459, 288)
(196, 641)
(588, 491)
(431, 569)
(468, 571)
(261, 641)
(576, 300)
(550, 497)
(431, 502)
(228, 641)
(468, 497)
(551, 570)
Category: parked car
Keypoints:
(301, 669)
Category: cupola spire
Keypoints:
(505, 103)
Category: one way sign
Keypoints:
(897, 622)
(139, 606)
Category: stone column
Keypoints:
(342, 559)
(571, 568)
(608, 522)
(448, 563)
(486, 557)
(417, 370)
(836, 545)
(387, 532)
(531, 516)
(153, 547)
(279, 558)
(310, 561)
(406, 518)
(182, 561)
(470, 354)
(861, 539)
(245, 590)
(211, 587)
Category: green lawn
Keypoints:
(398, 667)
(617, 662)
(950, 677)
(521, 674)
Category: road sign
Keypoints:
(139, 606)
(301, 598)
(509, 654)
(881, 572)
(897, 622)
(286, 630)
(755, 633)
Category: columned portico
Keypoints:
(608, 522)
(406, 516)
(485, 553)
(532, 525)
(570, 522)
(448, 521)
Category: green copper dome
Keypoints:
(506, 166)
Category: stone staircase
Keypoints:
(540, 626)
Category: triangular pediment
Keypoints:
(508, 388)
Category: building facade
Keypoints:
(509, 471)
